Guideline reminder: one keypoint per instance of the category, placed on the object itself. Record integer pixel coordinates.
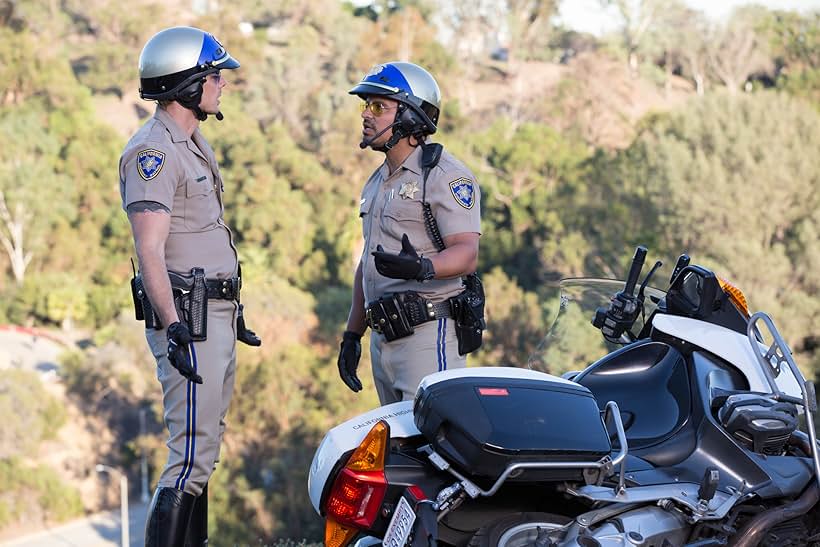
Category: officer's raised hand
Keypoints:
(349, 355)
(179, 355)
(405, 265)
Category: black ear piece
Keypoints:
(190, 95)
(410, 122)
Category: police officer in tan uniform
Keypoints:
(403, 279)
(173, 193)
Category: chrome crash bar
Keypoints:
(773, 359)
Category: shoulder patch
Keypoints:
(464, 192)
(149, 163)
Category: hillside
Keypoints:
(592, 93)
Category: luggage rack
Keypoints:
(773, 359)
(606, 464)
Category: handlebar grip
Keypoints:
(635, 269)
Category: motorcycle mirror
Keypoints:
(683, 261)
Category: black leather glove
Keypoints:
(405, 265)
(349, 355)
(179, 354)
(243, 333)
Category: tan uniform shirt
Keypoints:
(391, 206)
(161, 163)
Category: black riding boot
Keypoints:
(198, 525)
(168, 518)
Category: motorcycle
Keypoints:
(694, 428)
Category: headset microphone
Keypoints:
(219, 116)
(367, 142)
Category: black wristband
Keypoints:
(427, 271)
(349, 335)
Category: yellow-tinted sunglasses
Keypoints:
(377, 108)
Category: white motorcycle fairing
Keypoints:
(348, 435)
(729, 345)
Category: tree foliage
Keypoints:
(727, 180)
(39, 415)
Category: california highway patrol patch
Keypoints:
(149, 163)
(464, 192)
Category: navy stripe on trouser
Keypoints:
(400, 365)
(441, 341)
(190, 428)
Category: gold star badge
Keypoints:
(408, 189)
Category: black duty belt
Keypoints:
(223, 289)
(395, 314)
(218, 289)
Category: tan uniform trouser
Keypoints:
(195, 413)
(400, 365)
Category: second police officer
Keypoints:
(188, 287)
(420, 214)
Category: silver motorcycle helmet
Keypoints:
(410, 85)
(175, 61)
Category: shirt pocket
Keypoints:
(201, 204)
(403, 216)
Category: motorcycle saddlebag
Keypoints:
(483, 424)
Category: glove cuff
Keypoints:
(350, 336)
(173, 328)
(427, 271)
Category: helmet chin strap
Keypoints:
(398, 135)
(384, 148)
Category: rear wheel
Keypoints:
(518, 530)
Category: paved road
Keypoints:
(27, 349)
(100, 530)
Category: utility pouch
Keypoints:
(143, 310)
(387, 317)
(191, 300)
(137, 292)
(467, 309)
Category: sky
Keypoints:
(589, 16)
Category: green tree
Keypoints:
(38, 415)
(737, 49)
(727, 180)
(794, 40)
(638, 17)
(28, 172)
(530, 178)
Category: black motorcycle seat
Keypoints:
(649, 382)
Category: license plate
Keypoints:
(400, 525)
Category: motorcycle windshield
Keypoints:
(572, 342)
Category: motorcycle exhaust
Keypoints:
(753, 532)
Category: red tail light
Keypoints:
(356, 497)
(358, 491)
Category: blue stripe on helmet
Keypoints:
(211, 50)
(390, 75)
